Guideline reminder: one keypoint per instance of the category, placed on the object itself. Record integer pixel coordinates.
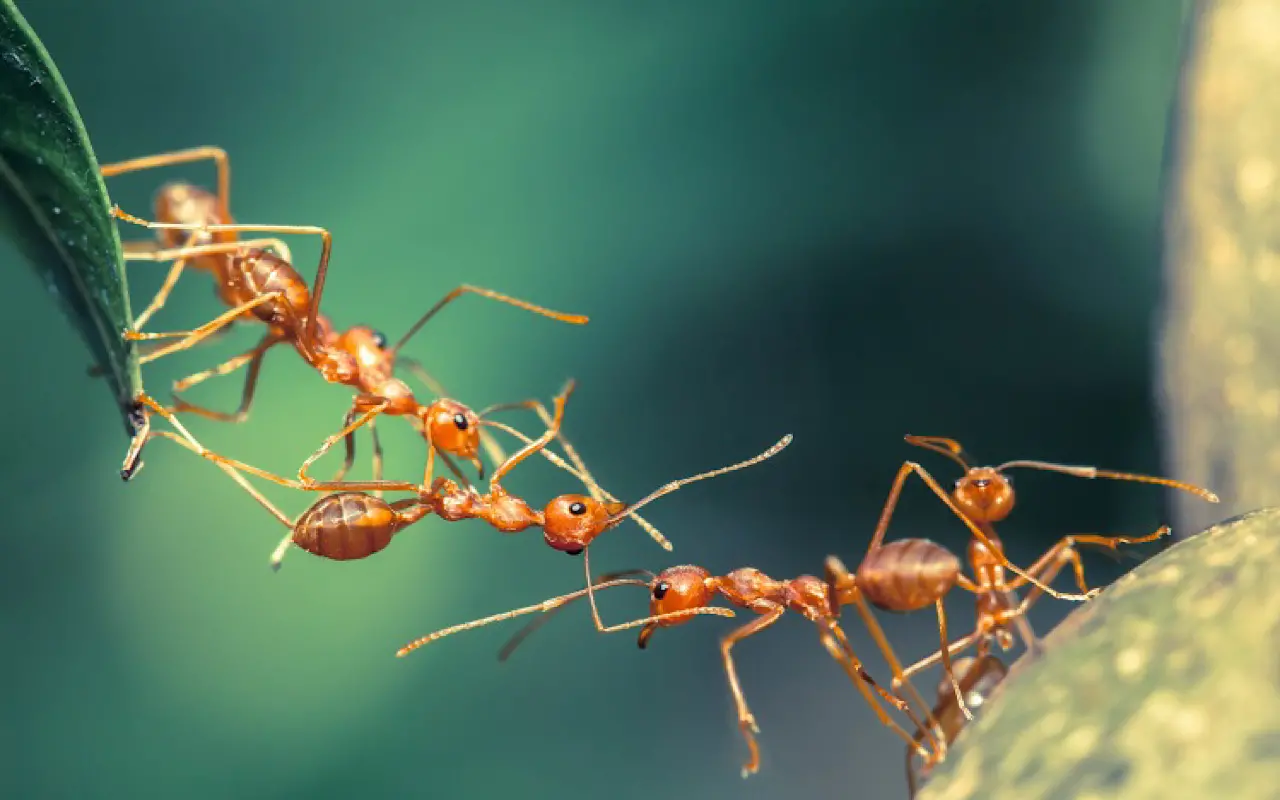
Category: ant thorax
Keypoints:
(750, 588)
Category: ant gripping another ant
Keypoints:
(678, 592)
(264, 286)
(910, 574)
(351, 524)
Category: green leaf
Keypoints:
(54, 207)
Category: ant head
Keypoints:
(366, 344)
(337, 366)
(984, 494)
(453, 427)
(572, 521)
(676, 589)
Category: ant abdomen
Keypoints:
(346, 526)
(263, 272)
(907, 574)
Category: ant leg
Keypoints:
(490, 444)
(840, 638)
(947, 666)
(746, 720)
(162, 295)
(277, 555)
(233, 473)
(307, 480)
(193, 337)
(958, 646)
(208, 153)
(572, 319)
(843, 584)
(1047, 568)
(377, 455)
(215, 248)
(254, 357)
(349, 457)
(882, 526)
(1065, 550)
(314, 486)
(537, 444)
(858, 675)
(890, 656)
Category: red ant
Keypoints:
(244, 274)
(910, 574)
(678, 592)
(351, 524)
(977, 679)
(255, 282)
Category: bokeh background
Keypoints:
(844, 220)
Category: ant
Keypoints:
(978, 679)
(258, 283)
(910, 574)
(569, 522)
(684, 590)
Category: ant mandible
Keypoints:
(688, 589)
(265, 286)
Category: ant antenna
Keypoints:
(943, 446)
(556, 602)
(1094, 472)
(544, 606)
(537, 622)
(674, 485)
(572, 319)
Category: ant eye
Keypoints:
(380, 340)
(577, 551)
(460, 421)
(578, 509)
(660, 591)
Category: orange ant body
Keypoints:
(260, 285)
(351, 524)
(679, 592)
(910, 574)
(977, 679)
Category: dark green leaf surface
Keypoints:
(54, 207)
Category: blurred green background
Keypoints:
(846, 220)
